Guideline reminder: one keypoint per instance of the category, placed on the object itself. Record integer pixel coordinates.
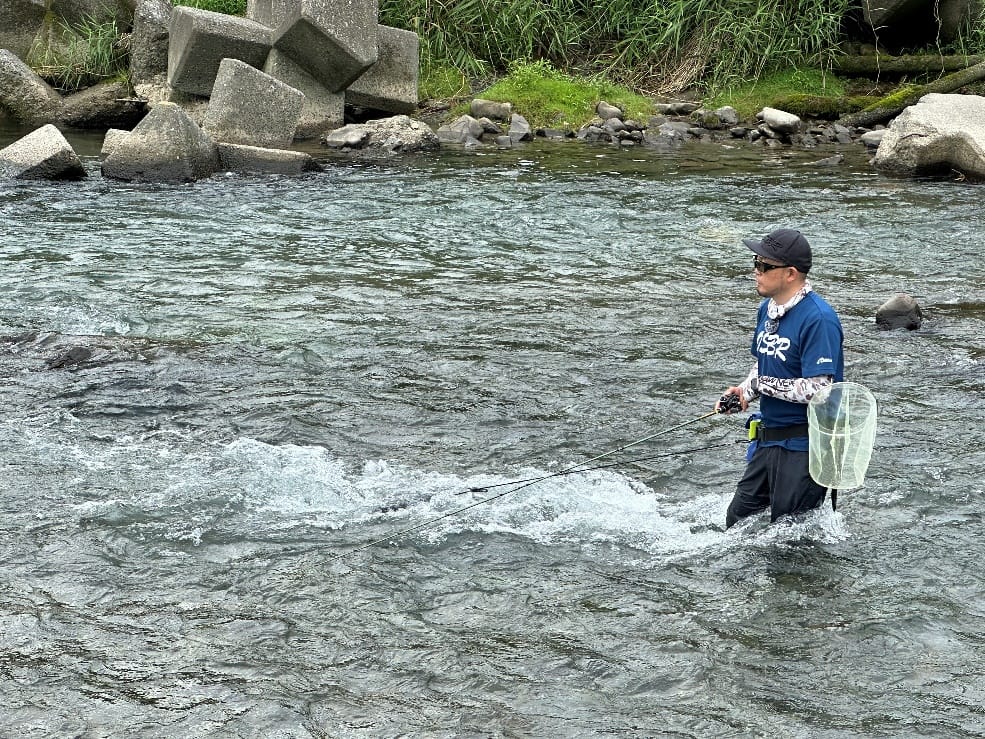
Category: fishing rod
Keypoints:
(521, 484)
(607, 465)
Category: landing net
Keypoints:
(842, 420)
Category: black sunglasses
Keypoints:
(760, 266)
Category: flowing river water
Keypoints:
(286, 369)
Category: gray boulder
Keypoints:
(333, 40)
(520, 129)
(780, 121)
(166, 146)
(605, 111)
(201, 39)
(28, 98)
(390, 84)
(251, 107)
(900, 311)
(480, 108)
(149, 41)
(939, 135)
(463, 129)
(257, 160)
(727, 115)
(106, 105)
(872, 139)
(43, 154)
(322, 110)
(397, 135)
(22, 20)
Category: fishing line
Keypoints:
(521, 484)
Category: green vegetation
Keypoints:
(970, 39)
(442, 82)
(229, 7)
(75, 56)
(551, 98)
(898, 98)
(820, 106)
(654, 47)
(781, 88)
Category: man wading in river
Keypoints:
(798, 351)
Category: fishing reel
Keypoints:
(729, 403)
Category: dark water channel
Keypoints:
(285, 369)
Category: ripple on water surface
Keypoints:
(289, 369)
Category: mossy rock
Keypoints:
(820, 106)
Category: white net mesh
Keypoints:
(842, 419)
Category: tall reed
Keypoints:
(654, 44)
(78, 55)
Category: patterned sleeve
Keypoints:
(750, 385)
(796, 390)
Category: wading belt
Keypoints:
(781, 434)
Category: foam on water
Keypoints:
(292, 485)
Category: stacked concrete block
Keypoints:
(251, 107)
(43, 154)
(322, 109)
(333, 51)
(255, 160)
(270, 13)
(333, 40)
(149, 41)
(27, 97)
(389, 85)
(166, 146)
(22, 20)
(201, 39)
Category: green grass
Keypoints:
(786, 89)
(229, 7)
(441, 82)
(81, 54)
(549, 98)
(654, 46)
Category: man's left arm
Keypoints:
(793, 390)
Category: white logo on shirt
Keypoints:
(772, 345)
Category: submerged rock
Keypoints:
(900, 311)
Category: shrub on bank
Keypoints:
(229, 7)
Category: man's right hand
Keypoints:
(731, 401)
